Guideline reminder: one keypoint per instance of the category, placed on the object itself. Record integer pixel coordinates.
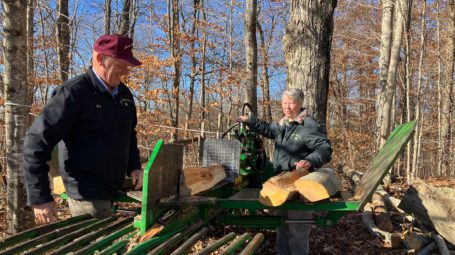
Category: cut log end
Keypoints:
(278, 189)
(318, 185)
(198, 179)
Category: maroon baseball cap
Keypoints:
(117, 46)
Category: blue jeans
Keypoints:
(292, 238)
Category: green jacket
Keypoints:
(300, 139)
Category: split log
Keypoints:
(318, 185)
(280, 188)
(57, 185)
(391, 240)
(198, 179)
(432, 207)
(381, 214)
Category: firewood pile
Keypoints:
(421, 221)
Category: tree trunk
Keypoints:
(107, 16)
(447, 92)
(306, 43)
(44, 94)
(134, 11)
(265, 84)
(419, 93)
(63, 39)
(408, 110)
(203, 60)
(384, 60)
(194, 38)
(124, 27)
(176, 55)
(388, 92)
(441, 142)
(30, 52)
(17, 106)
(251, 55)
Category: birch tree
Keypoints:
(17, 106)
(306, 43)
(391, 34)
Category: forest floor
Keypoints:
(348, 236)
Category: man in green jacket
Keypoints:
(300, 143)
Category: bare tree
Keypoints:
(251, 54)
(447, 93)
(17, 106)
(202, 100)
(194, 38)
(63, 39)
(265, 84)
(418, 132)
(174, 49)
(306, 43)
(391, 36)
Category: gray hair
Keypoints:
(294, 94)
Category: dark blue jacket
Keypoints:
(300, 139)
(99, 145)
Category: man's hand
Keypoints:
(302, 165)
(244, 119)
(45, 213)
(136, 178)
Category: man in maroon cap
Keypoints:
(92, 118)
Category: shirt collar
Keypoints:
(104, 87)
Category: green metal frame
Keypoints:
(335, 209)
(146, 220)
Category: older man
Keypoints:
(299, 144)
(93, 119)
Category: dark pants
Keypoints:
(96, 208)
(292, 238)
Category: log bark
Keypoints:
(381, 214)
(318, 185)
(280, 188)
(432, 207)
(306, 47)
(352, 174)
(198, 179)
(389, 239)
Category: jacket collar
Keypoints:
(97, 86)
(299, 119)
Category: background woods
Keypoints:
(391, 61)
